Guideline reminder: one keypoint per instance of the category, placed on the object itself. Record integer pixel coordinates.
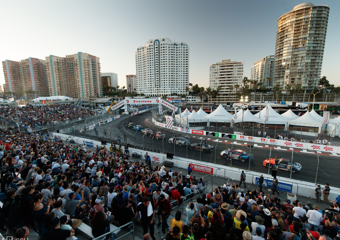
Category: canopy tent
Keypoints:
(306, 120)
(219, 115)
(334, 120)
(247, 117)
(201, 112)
(194, 117)
(290, 115)
(316, 115)
(184, 113)
(273, 116)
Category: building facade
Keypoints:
(300, 43)
(263, 71)
(162, 67)
(131, 83)
(108, 79)
(226, 74)
(26, 77)
(76, 75)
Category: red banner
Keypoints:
(198, 132)
(202, 169)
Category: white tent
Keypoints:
(273, 116)
(219, 115)
(201, 112)
(194, 117)
(316, 115)
(184, 113)
(306, 120)
(334, 120)
(290, 115)
(247, 117)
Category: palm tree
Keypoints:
(288, 87)
(297, 90)
(275, 90)
(236, 87)
(245, 81)
(201, 93)
(130, 88)
(255, 86)
(268, 80)
(187, 90)
(209, 92)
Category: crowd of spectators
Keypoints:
(44, 115)
(54, 187)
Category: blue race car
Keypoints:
(138, 127)
(237, 154)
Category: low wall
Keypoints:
(285, 184)
(251, 139)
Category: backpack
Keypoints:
(243, 176)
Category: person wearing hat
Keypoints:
(258, 234)
(164, 212)
(314, 219)
(247, 235)
(57, 233)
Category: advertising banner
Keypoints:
(198, 132)
(88, 144)
(326, 116)
(285, 187)
(322, 148)
(201, 169)
(176, 128)
(233, 136)
(186, 130)
(217, 134)
(118, 105)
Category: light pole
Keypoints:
(243, 100)
(314, 97)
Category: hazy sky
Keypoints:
(242, 30)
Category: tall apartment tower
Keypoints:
(300, 43)
(76, 76)
(226, 74)
(131, 83)
(162, 67)
(27, 76)
(263, 71)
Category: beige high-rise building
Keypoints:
(76, 76)
(226, 74)
(300, 43)
(263, 71)
(131, 83)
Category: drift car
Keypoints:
(237, 154)
(130, 125)
(180, 141)
(137, 127)
(201, 147)
(159, 135)
(147, 131)
(283, 164)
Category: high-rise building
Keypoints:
(1, 90)
(300, 43)
(226, 74)
(27, 77)
(76, 76)
(162, 67)
(131, 83)
(108, 79)
(263, 71)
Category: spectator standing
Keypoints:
(326, 191)
(146, 212)
(189, 169)
(163, 211)
(243, 179)
(318, 193)
(261, 179)
(275, 185)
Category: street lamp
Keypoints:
(243, 100)
(314, 97)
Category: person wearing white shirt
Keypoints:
(324, 141)
(258, 224)
(110, 196)
(299, 211)
(314, 219)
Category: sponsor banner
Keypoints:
(154, 158)
(326, 116)
(176, 128)
(186, 130)
(322, 148)
(233, 136)
(285, 187)
(118, 105)
(218, 134)
(198, 132)
(174, 108)
(201, 169)
(250, 138)
(160, 110)
(88, 144)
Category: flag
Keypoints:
(325, 118)
(267, 114)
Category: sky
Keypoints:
(242, 30)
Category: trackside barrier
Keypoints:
(261, 140)
(302, 188)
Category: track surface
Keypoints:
(329, 166)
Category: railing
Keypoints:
(120, 228)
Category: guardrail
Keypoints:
(260, 140)
(285, 184)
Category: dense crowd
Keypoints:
(46, 115)
(54, 187)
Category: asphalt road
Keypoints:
(329, 166)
